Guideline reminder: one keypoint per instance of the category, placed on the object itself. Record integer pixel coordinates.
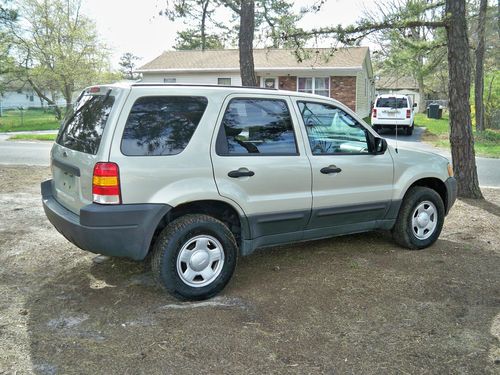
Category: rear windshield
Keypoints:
(84, 123)
(392, 103)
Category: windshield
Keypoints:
(85, 122)
(392, 103)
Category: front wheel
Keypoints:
(420, 219)
(194, 257)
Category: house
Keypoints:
(398, 85)
(17, 95)
(344, 74)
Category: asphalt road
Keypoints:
(38, 153)
(488, 169)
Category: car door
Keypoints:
(352, 187)
(259, 164)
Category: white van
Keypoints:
(391, 111)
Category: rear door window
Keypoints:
(392, 103)
(254, 126)
(84, 124)
(161, 125)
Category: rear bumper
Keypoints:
(451, 191)
(121, 230)
(392, 122)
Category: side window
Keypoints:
(257, 126)
(161, 125)
(332, 131)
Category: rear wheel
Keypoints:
(194, 257)
(420, 219)
(409, 130)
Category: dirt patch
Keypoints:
(354, 304)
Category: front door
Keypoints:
(352, 188)
(259, 164)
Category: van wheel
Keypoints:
(409, 129)
(194, 257)
(420, 219)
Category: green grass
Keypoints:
(32, 119)
(486, 143)
(34, 137)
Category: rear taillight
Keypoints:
(408, 113)
(106, 184)
(374, 112)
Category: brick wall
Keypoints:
(287, 83)
(343, 89)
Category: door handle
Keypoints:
(240, 173)
(330, 169)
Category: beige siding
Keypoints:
(196, 78)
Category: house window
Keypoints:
(224, 81)
(314, 85)
(169, 80)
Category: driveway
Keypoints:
(356, 304)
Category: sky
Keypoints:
(140, 29)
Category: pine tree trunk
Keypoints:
(421, 94)
(479, 76)
(245, 43)
(461, 138)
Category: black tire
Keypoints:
(174, 238)
(376, 128)
(404, 232)
(409, 130)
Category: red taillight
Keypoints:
(374, 112)
(408, 113)
(106, 184)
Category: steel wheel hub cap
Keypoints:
(424, 220)
(200, 261)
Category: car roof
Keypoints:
(392, 96)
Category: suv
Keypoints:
(393, 111)
(197, 176)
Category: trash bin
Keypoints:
(434, 111)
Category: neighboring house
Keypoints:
(398, 85)
(344, 74)
(23, 96)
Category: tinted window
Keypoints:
(161, 125)
(84, 124)
(331, 130)
(392, 103)
(257, 126)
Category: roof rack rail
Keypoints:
(141, 84)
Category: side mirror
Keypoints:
(414, 105)
(380, 146)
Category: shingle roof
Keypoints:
(394, 83)
(228, 59)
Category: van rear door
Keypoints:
(391, 108)
(81, 143)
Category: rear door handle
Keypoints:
(240, 173)
(330, 169)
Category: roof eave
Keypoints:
(257, 69)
